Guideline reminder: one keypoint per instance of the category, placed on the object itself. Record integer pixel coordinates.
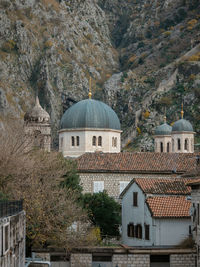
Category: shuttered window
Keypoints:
(98, 186)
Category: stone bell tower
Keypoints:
(37, 127)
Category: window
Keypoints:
(73, 141)
(168, 147)
(99, 141)
(115, 142)
(94, 140)
(122, 185)
(179, 144)
(77, 141)
(138, 232)
(146, 232)
(135, 199)
(161, 147)
(98, 186)
(61, 142)
(186, 144)
(172, 145)
(6, 238)
(130, 230)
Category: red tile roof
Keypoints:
(172, 186)
(169, 207)
(195, 181)
(143, 162)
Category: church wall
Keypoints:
(183, 136)
(164, 139)
(112, 181)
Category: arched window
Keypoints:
(179, 143)
(94, 141)
(115, 142)
(130, 230)
(61, 142)
(77, 141)
(186, 144)
(73, 141)
(168, 147)
(99, 141)
(161, 147)
(138, 232)
(172, 145)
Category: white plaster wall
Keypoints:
(164, 139)
(170, 232)
(182, 136)
(86, 145)
(136, 215)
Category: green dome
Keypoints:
(182, 126)
(90, 113)
(163, 129)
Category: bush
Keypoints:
(9, 46)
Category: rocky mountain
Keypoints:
(143, 56)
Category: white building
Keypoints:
(177, 139)
(89, 126)
(155, 212)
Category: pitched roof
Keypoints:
(194, 181)
(143, 162)
(171, 186)
(169, 207)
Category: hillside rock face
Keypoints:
(143, 57)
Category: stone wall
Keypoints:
(181, 260)
(129, 260)
(81, 260)
(112, 181)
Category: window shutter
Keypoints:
(98, 186)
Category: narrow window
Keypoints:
(73, 141)
(168, 147)
(146, 231)
(94, 140)
(186, 144)
(61, 142)
(138, 231)
(172, 145)
(77, 141)
(135, 199)
(179, 144)
(115, 142)
(99, 141)
(130, 230)
(161, 147)
(190, 230)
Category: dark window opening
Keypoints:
(6, 238)
(135, 199)
(179, 144)
(94, 140)
(186, 144)
(130, 230)
(99, 141)
(73, 141)
(161, 147)
(168, 147)
(147, 232)
(77, 141)
(159, 258)
(102, 258)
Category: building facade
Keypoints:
(89, 126)
(12, 234)
(155, 212)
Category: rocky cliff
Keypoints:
(143, 57)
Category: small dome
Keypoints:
(182, 125)
(163, 129)
(90, 113)
(37, 113)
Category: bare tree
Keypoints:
(35, 175)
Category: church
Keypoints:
(90, 133)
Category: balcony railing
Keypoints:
(9, 208)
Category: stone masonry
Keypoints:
(182, 260)
(81, 260)
(129, 260)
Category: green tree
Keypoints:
(104, 212)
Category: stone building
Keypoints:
(37, 127)
(12, 234)
(156, 212)
(113, 171)
(177, 139)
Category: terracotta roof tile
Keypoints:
(172, 186)
(194, 181)
(136, 162)
(169, 207)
